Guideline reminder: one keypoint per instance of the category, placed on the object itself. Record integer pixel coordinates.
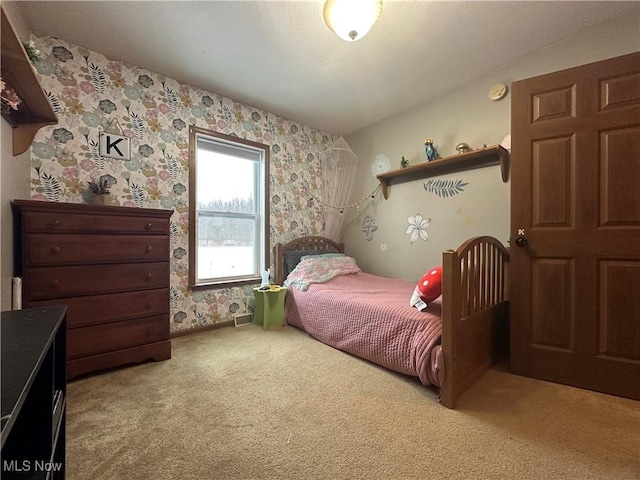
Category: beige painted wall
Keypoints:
(14, 13)
(463, 115)
(14, 183)
(14, 180)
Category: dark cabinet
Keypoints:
(34, 392)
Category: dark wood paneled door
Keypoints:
(575, 227)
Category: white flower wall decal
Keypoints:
(418, 228)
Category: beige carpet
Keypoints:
(243, 403)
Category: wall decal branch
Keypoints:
(444, 188)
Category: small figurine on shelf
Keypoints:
(404, 163)
(265, 279)
(10, 99)
(463, 148)
(430, 150)
(32, 52)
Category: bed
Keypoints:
(449, 345)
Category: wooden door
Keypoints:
(575, 227)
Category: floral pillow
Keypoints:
(293, 257)
(319, 269)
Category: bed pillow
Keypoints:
(316, 269)
(325, 255)
(428, 289)
(293, 257)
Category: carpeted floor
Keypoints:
(243, 403)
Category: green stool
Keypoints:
(269, 308)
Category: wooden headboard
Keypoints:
(314, 244)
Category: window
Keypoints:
(228, 209)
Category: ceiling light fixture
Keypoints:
(352, 19)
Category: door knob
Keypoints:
(521, 241)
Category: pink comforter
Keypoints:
(370, 317)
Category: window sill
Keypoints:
(226, 284)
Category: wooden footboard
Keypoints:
(475, 313)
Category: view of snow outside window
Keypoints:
(226, 215)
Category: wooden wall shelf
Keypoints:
(35, 111)
(485, 157)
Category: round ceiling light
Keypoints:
(352, 19)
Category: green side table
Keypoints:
(269, 307)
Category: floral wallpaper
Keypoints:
(91, 93)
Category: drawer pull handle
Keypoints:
(148, 226)
(149, 275)
(55, 223)
(149, 248)
(55, 249)
(55, 283)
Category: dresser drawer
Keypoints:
(41, 283)
(76, 222)
(51, 249)
(85, 341)
(97, 309)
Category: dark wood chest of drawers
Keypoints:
(110, 266)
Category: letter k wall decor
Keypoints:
(115, 146)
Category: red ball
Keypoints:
(430, 285)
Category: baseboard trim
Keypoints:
(205, 328)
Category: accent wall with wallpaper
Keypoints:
(91, 93)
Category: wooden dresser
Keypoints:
(110, 266)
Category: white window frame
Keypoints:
(202, 139)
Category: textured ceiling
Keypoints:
(279, 55)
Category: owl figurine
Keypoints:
(430, 150)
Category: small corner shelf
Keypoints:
(484, 157)
(35, 111)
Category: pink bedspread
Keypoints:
(370, 317)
